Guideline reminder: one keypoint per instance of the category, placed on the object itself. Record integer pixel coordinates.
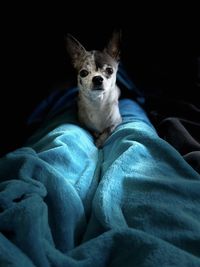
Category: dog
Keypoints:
(98, 108)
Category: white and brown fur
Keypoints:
(98, 108)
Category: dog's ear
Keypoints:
(75, 50)
(113, 47)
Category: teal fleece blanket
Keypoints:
(63, 202)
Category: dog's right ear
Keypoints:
(114, 44)
(75, 50)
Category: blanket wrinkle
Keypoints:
(63, 202)
(17, 225)
(178, 123)
(184, 129)
(193, 158)
(11, 255)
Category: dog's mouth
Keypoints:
(97, 88)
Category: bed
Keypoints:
(135, 202)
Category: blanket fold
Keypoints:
(63, 202)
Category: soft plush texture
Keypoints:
(63, 202)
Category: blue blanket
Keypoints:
(63, 202)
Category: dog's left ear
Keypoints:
(113, 47)
(75, 50)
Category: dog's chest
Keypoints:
(97, 117)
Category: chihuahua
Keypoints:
(98, 108)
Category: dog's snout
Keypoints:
(97, 80)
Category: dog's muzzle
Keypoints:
(97, 83)
(97, 80)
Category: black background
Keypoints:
(160, 48)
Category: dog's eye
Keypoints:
(83, 73)
(109, 70)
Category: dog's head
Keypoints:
(96, 69)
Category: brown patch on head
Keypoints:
(101, 59)
(96, 60)
(88, 60)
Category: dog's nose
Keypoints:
(97, 80)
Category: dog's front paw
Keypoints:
(99, 143)
(100, 140)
